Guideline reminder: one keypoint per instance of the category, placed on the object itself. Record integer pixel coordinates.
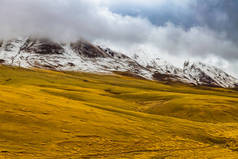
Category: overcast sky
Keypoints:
(175, 30)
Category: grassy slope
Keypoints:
(46, 114)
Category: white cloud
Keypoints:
(92, 19)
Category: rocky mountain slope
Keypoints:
(84, 56)
(209, 75)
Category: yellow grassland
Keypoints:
(49, 114)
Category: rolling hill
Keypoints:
(52, 114)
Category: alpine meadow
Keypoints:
(118, 79)
(48, 114)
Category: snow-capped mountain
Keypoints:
(78, 56)
(162, 70)
(209, 75)
(84, 56)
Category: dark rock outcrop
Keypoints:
(42, 46)
(88, 50)
(9, 46)
(165, 77)
(1, 43)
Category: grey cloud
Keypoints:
(219, 15)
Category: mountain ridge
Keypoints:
(84, 56)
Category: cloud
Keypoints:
(176, 44)
(181, 34)
(67, 20)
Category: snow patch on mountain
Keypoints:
(84, 56)
(209, 75)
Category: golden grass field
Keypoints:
(47, 114)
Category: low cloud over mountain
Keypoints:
(172, 29)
